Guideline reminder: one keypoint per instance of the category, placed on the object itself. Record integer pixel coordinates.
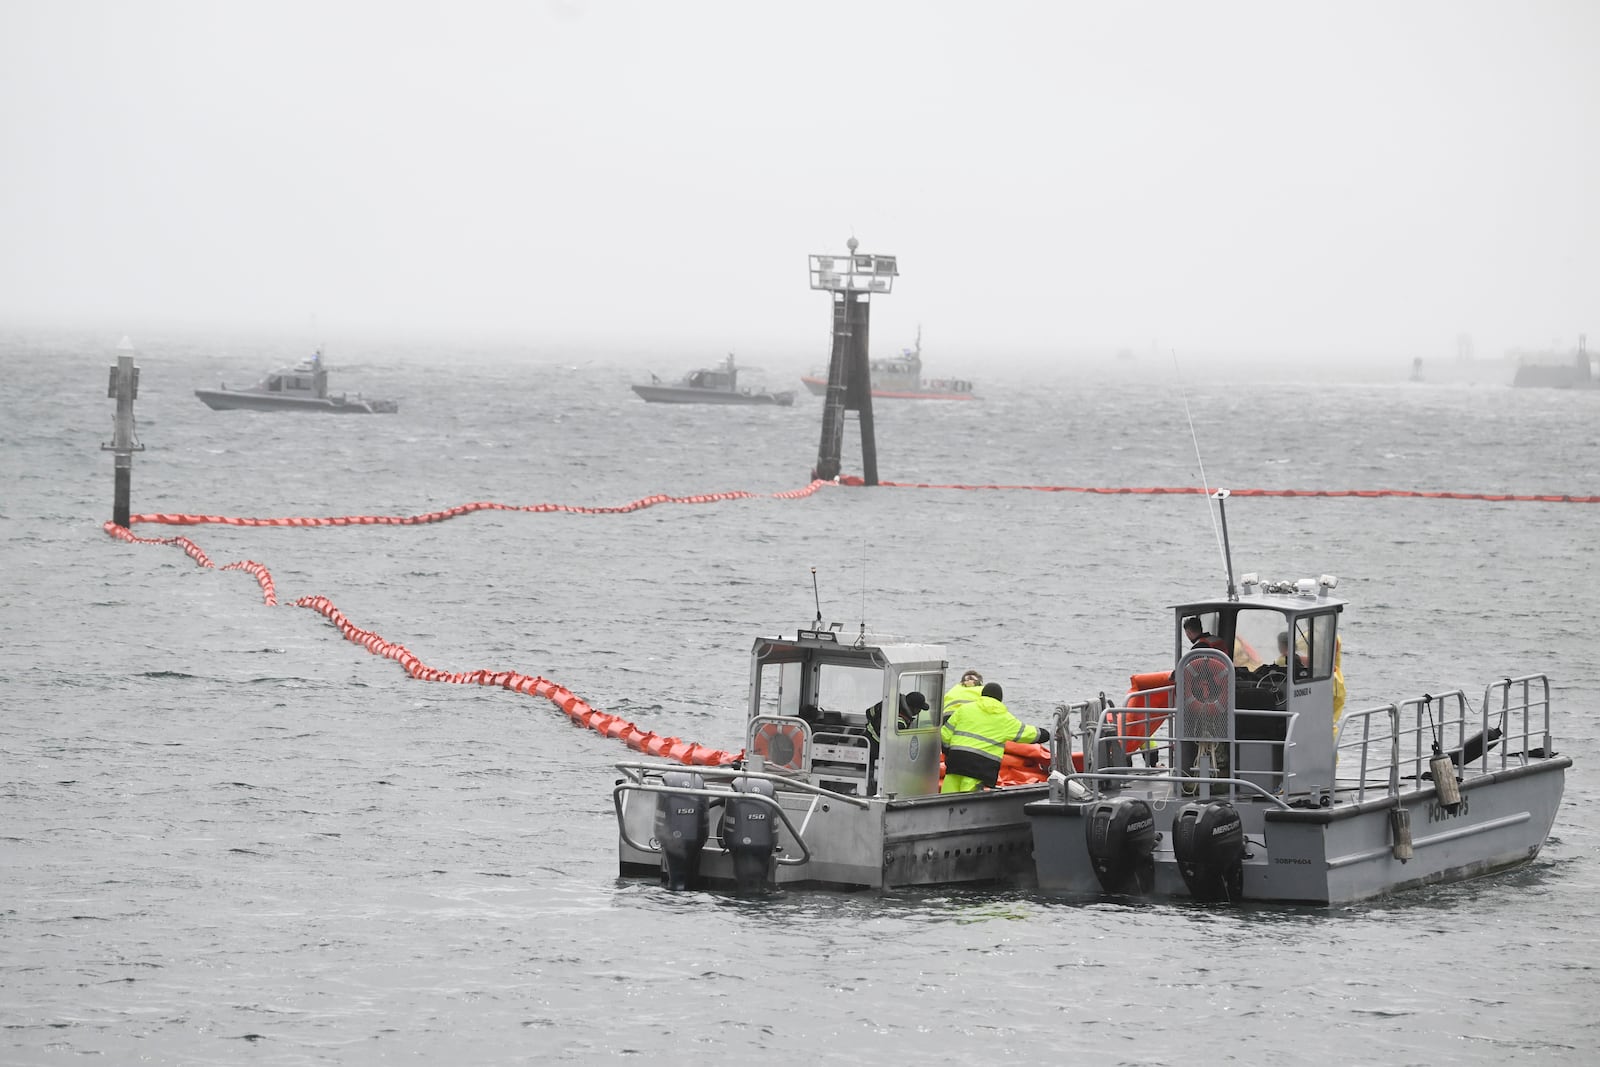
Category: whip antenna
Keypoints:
(817, 597)
(862, 638)
(1227, 563)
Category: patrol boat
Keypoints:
(302, 387)
(1232, 777)
(710, 385)
(832, 792)
(900, 378)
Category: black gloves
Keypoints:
(1044, 736)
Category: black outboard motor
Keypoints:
(1208, 842)
(1121, 837)
(682, 825)
(748, 834)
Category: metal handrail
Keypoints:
(1365, 717)
(715, 794)
(724, 773)
(1525, 708)
(1098, 776)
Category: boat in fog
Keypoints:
(900, 378)
(710, 385)
(302, 387)
(1549, 370)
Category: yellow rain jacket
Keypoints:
(974, 739)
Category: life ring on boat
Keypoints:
(783, 746)
(1205, 684)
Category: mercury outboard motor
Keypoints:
(1121, 837)
(682, 825)
(1208, 842)
(748, 834)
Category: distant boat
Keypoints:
(900, 378)
(302, 387)
(710, 385)
(1548, 372)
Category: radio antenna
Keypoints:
(863, 585)
(817, 597)
(1227, 564)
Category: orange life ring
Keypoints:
(781, 745)
(1205, 684)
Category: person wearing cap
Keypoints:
(914, 711)
(974, 739)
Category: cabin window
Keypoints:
(1255, 637)
(928, 684)
(779, 689)
(848, 690)
(1210, 636)
(274, 384)
(1313, 642)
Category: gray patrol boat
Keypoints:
(302, 387)
(1242, 783)
(833, 791)
(710, 385)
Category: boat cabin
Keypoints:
(843, 717)
(723, 378)
(307, 379)
(1254, 685)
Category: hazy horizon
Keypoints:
(1358, 180)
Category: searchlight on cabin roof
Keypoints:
(1251, 583)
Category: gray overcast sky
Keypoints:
(1317, 178)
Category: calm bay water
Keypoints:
(227, 835)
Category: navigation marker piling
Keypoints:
(123, 388)
(851, 279)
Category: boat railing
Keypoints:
(639, 772)
(1371, 737)
(1393, 743)
(1108, 737)
(623, 788)
(1509, 701)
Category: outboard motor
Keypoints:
(682, 825)
(748, 834)
(1208, 842)
(1121, 837)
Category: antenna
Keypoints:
(1227, 553)
(817, 597)
(863, 585)
(1221, 536)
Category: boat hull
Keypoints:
(1340, 854)
(671, 394)
(948, 839)
(242, 400)
(819, 387)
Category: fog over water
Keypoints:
(1359, 180)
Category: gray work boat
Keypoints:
(1242, 786)
(900, 378)
(302, 387)
(818, 801)
(710, 385)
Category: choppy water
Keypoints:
(230, 836)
